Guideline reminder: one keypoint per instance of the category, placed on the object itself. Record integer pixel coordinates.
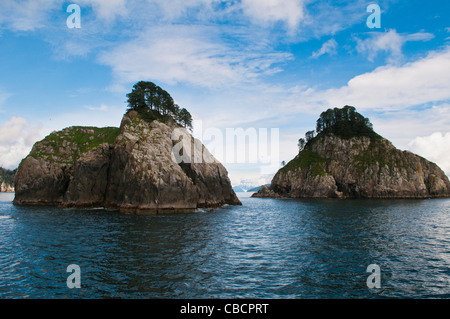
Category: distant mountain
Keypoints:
(239, 189)
(247, 188)
(255, 189)
(250, 184)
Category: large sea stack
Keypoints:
(131, 168)
(347, 159)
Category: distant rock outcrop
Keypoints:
(366, 166)
(265, 192)
(6, 188)
(7, 180)
(132, 168)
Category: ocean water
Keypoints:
(267, 248)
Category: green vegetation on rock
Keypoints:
(307, 159)
(67, 145)
(376, 154)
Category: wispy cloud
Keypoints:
(289, 12)
(106, 10)
(188, 54)
(328, 47)
(389, 42)
(324, 18)
(105, 21)
(26, 15)
(101, 108)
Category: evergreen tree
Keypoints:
(301, 144)
(344, 122)
(152, 102)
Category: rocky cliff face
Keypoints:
(359, 167)
(133, 169)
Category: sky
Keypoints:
(264, 66)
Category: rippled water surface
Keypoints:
(268, 248)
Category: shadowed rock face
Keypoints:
(359, 167)
(138, 172)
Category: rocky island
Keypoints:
(347, 159)
(132, 168)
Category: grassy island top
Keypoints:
(67, 145)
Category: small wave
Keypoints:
(204, 210)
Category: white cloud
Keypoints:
(389, 42)
(402, 126)
(425, 80)
(328, 47)
(290, 12)
(435, 147)
(419, 36)
(17, 137)
(106, 9)
(26, 15)
(189, 54)
(176, 8)
(30, 15)
(101, 108)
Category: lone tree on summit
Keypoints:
(154, 103)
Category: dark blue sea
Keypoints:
(267, 248)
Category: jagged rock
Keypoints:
(136, 172)
(41, 182)
(359, 167)
(266, 192)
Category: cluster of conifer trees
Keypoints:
(343, 122)
(152, 102)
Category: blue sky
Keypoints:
(232, 64)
